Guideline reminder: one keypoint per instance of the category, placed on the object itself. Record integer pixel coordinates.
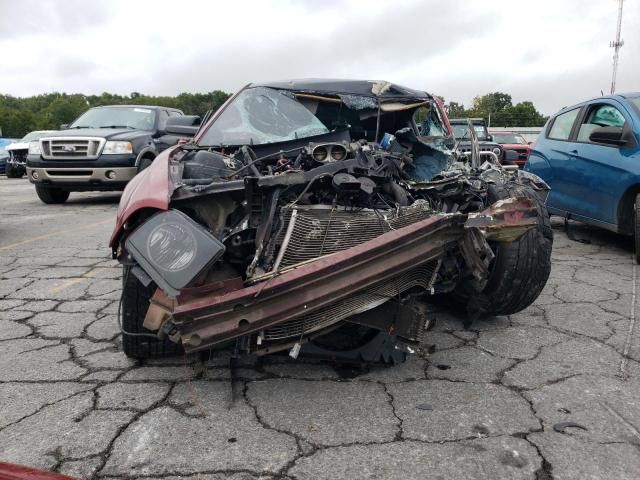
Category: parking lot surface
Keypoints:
(491, 401)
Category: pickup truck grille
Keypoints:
(71, 148)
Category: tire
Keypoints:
(355, 344)
(520, 269)
(135, 303)
(13, 172)
(636, 227)
(145, 162)
(51, 195)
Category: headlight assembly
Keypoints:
(173, 250)
(34, 148)
(115, 148)
(496, 151)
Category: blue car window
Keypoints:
(561, 128)
(607, 116)
(600, 116)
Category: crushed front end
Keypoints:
(271, 245)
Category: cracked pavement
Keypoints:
(482, 403)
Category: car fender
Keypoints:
(147, 149)
(149, 189)
(538, 164)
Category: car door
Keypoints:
(599, 173)
(555, 147)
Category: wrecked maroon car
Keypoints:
(316, 217)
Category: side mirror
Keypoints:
(186, 125)
(608, 136)
(510, 156)
(489, 138)
(529, 143)
(64, 126)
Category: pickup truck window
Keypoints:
(138, 118)
(561, 128)
(461, 131)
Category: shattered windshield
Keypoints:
(262, 115)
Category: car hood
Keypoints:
(17, 146)
(108, 133)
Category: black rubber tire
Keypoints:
(355, 344)
(520, 269)
(13, 172)
(636, 227)
(145, 162)
(51, 195)
(135, 303)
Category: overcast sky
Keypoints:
(552, 52)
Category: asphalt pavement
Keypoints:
(547, 393)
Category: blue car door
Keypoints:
(599, 173)
(555, 148)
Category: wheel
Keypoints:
(636, 227)
(13, 172)
(51, 195)
(135, 303)
(520, 269)
(354, 344)
(144, 163)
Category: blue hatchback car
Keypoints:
(589, 154)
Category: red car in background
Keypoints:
(513, 141)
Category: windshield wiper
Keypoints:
(80, 126)
(117, 126)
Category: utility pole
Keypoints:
(616, 44)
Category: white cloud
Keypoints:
(553, 53)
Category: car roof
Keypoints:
(370, 88)
(150, 107)
(617, 96)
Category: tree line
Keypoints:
(498, 109)
(19, 116)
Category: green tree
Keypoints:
(455, 110)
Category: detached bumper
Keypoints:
(339, 285)
(216, 317)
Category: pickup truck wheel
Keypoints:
(51, 195)
(135, 303)
(520, 268)
(636, 227)
(355, 344)
(144, 163)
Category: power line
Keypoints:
(616, 48)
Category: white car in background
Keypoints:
(17, 162)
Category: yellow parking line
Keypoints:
(52, 234)
(72, 281)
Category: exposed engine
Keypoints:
(279, 211)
